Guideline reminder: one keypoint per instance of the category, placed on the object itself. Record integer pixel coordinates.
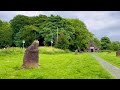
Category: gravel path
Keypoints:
(115, 71)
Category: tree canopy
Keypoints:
(66, 33)
(97, 42)
(105, 43)
(72, 33)
(115, 45)
(5, 34)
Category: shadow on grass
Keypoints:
(22, 68)
(17, 68)
(40, 77)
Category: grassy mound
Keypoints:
(52, 50)
(42, 50)
(11, 51)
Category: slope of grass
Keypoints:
(53, 66)
(42, 50)
(52, 50)
(11, 51)
(110, 57)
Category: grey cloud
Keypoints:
(113, 32)
(115, 37)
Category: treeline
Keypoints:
(65, 33)
(106, 44)
(72, 33)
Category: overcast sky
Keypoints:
(100, 23)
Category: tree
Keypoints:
(5, 34)
(105, 43)
(28, 34)
(17, 23)
(80, 36)
(49, 30)
(97, 42)
(38, 21)
(115, 45)
(63, 42)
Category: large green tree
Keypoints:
(17, 23)
(80, 36)
(55, 24)
(97, 42)
(105, 43)
(38, 21)
(63, 41)
(5, 34)
(29, 33)
(115, 45)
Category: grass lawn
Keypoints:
(110, 57)
(63, 65)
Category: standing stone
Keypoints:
(118, 53)
(31, 56)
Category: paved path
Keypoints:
(115, 71)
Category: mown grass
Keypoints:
(53, 66)
(110, 57)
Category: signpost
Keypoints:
(52, 40)
(51, 43)
(23, 43)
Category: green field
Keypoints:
(55, 64)
(110, 57)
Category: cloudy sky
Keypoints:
(100, 23)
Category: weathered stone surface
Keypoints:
(31, 56)
(118, 53)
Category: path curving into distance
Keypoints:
(115, 71)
